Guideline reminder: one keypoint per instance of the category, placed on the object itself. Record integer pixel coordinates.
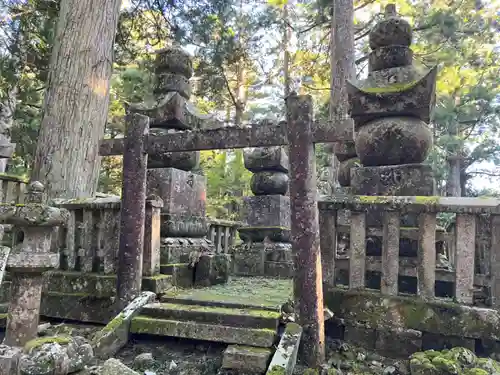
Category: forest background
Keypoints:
(248, 55)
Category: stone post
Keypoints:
(28, 261)
(266, 250)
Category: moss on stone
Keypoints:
(35, 343)
(427, 200)
(223, 310)
(276, 370)
(115, 323)
(390, 89)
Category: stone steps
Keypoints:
(237, 317)
(250, 331)
(204, 332)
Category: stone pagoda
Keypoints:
(266, 250)
(173, 176)
(391, 110)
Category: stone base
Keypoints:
(183, 226)
(407, 179)
(398, 343)
(175, 249)
(259, 259)
(271, 211)
(182, 274)
(9, 360)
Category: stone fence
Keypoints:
(13, 189)
(388, 257)
(223, 233)
(388, 285)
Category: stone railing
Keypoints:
(223, 233)
(13, 189)
(412, 260)
(90, 238)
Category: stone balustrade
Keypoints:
(363, 257)
(222, 233)
(89, 240)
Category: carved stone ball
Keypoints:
(174, 60)
(269, 183)
(344, 171)
(391, 31)
(393, 141)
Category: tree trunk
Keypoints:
(453, 185)
(7, 109)
(77, 97)
(342, 68)
(286, 53)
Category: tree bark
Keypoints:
(77, 97)
(342, 68)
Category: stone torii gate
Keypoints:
(300, 134)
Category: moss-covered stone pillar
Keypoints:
(28, 261)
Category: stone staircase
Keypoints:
(251, 331)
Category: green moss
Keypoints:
(157, 277)
(115, 323)
(35, 343)
(252, 349)
(223, 310)
(12, 177)
(276, 370)
(427, 200)
(311, 371)
(390, 89)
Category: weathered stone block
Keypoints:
(185, 161)
(9, 359)
(246, 358)
(212, 269)
(32, 262)
(248, 259)
(269, 183)
(114, 336)
(114, 367)
(182, 192)
(183, 226)
(267, 211)
(279, 252)
(285, 357)
(344, 150)
(398, 343)
(174, 249)
(259, 234)
(157, 284)
(266, 159)
(406, 180)
(182, 275)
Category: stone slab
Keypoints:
(186, 225)
(78, 306)
(267, 211)
(268, 234)
(248, 359)
(199, 331)
(182, 192)
(360, 334)
(408, 179)
(249, 259)
(235, 317)
(266, 159)
(285, 357)
(240, 292)
(437, 316)
(182, 275)
(279, 269)
(114, 335)
(157, 284)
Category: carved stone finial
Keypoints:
(391, 31)
(173, 69)
(35, 192)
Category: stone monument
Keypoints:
(171, 176)
(266, 250)
(391, 109)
